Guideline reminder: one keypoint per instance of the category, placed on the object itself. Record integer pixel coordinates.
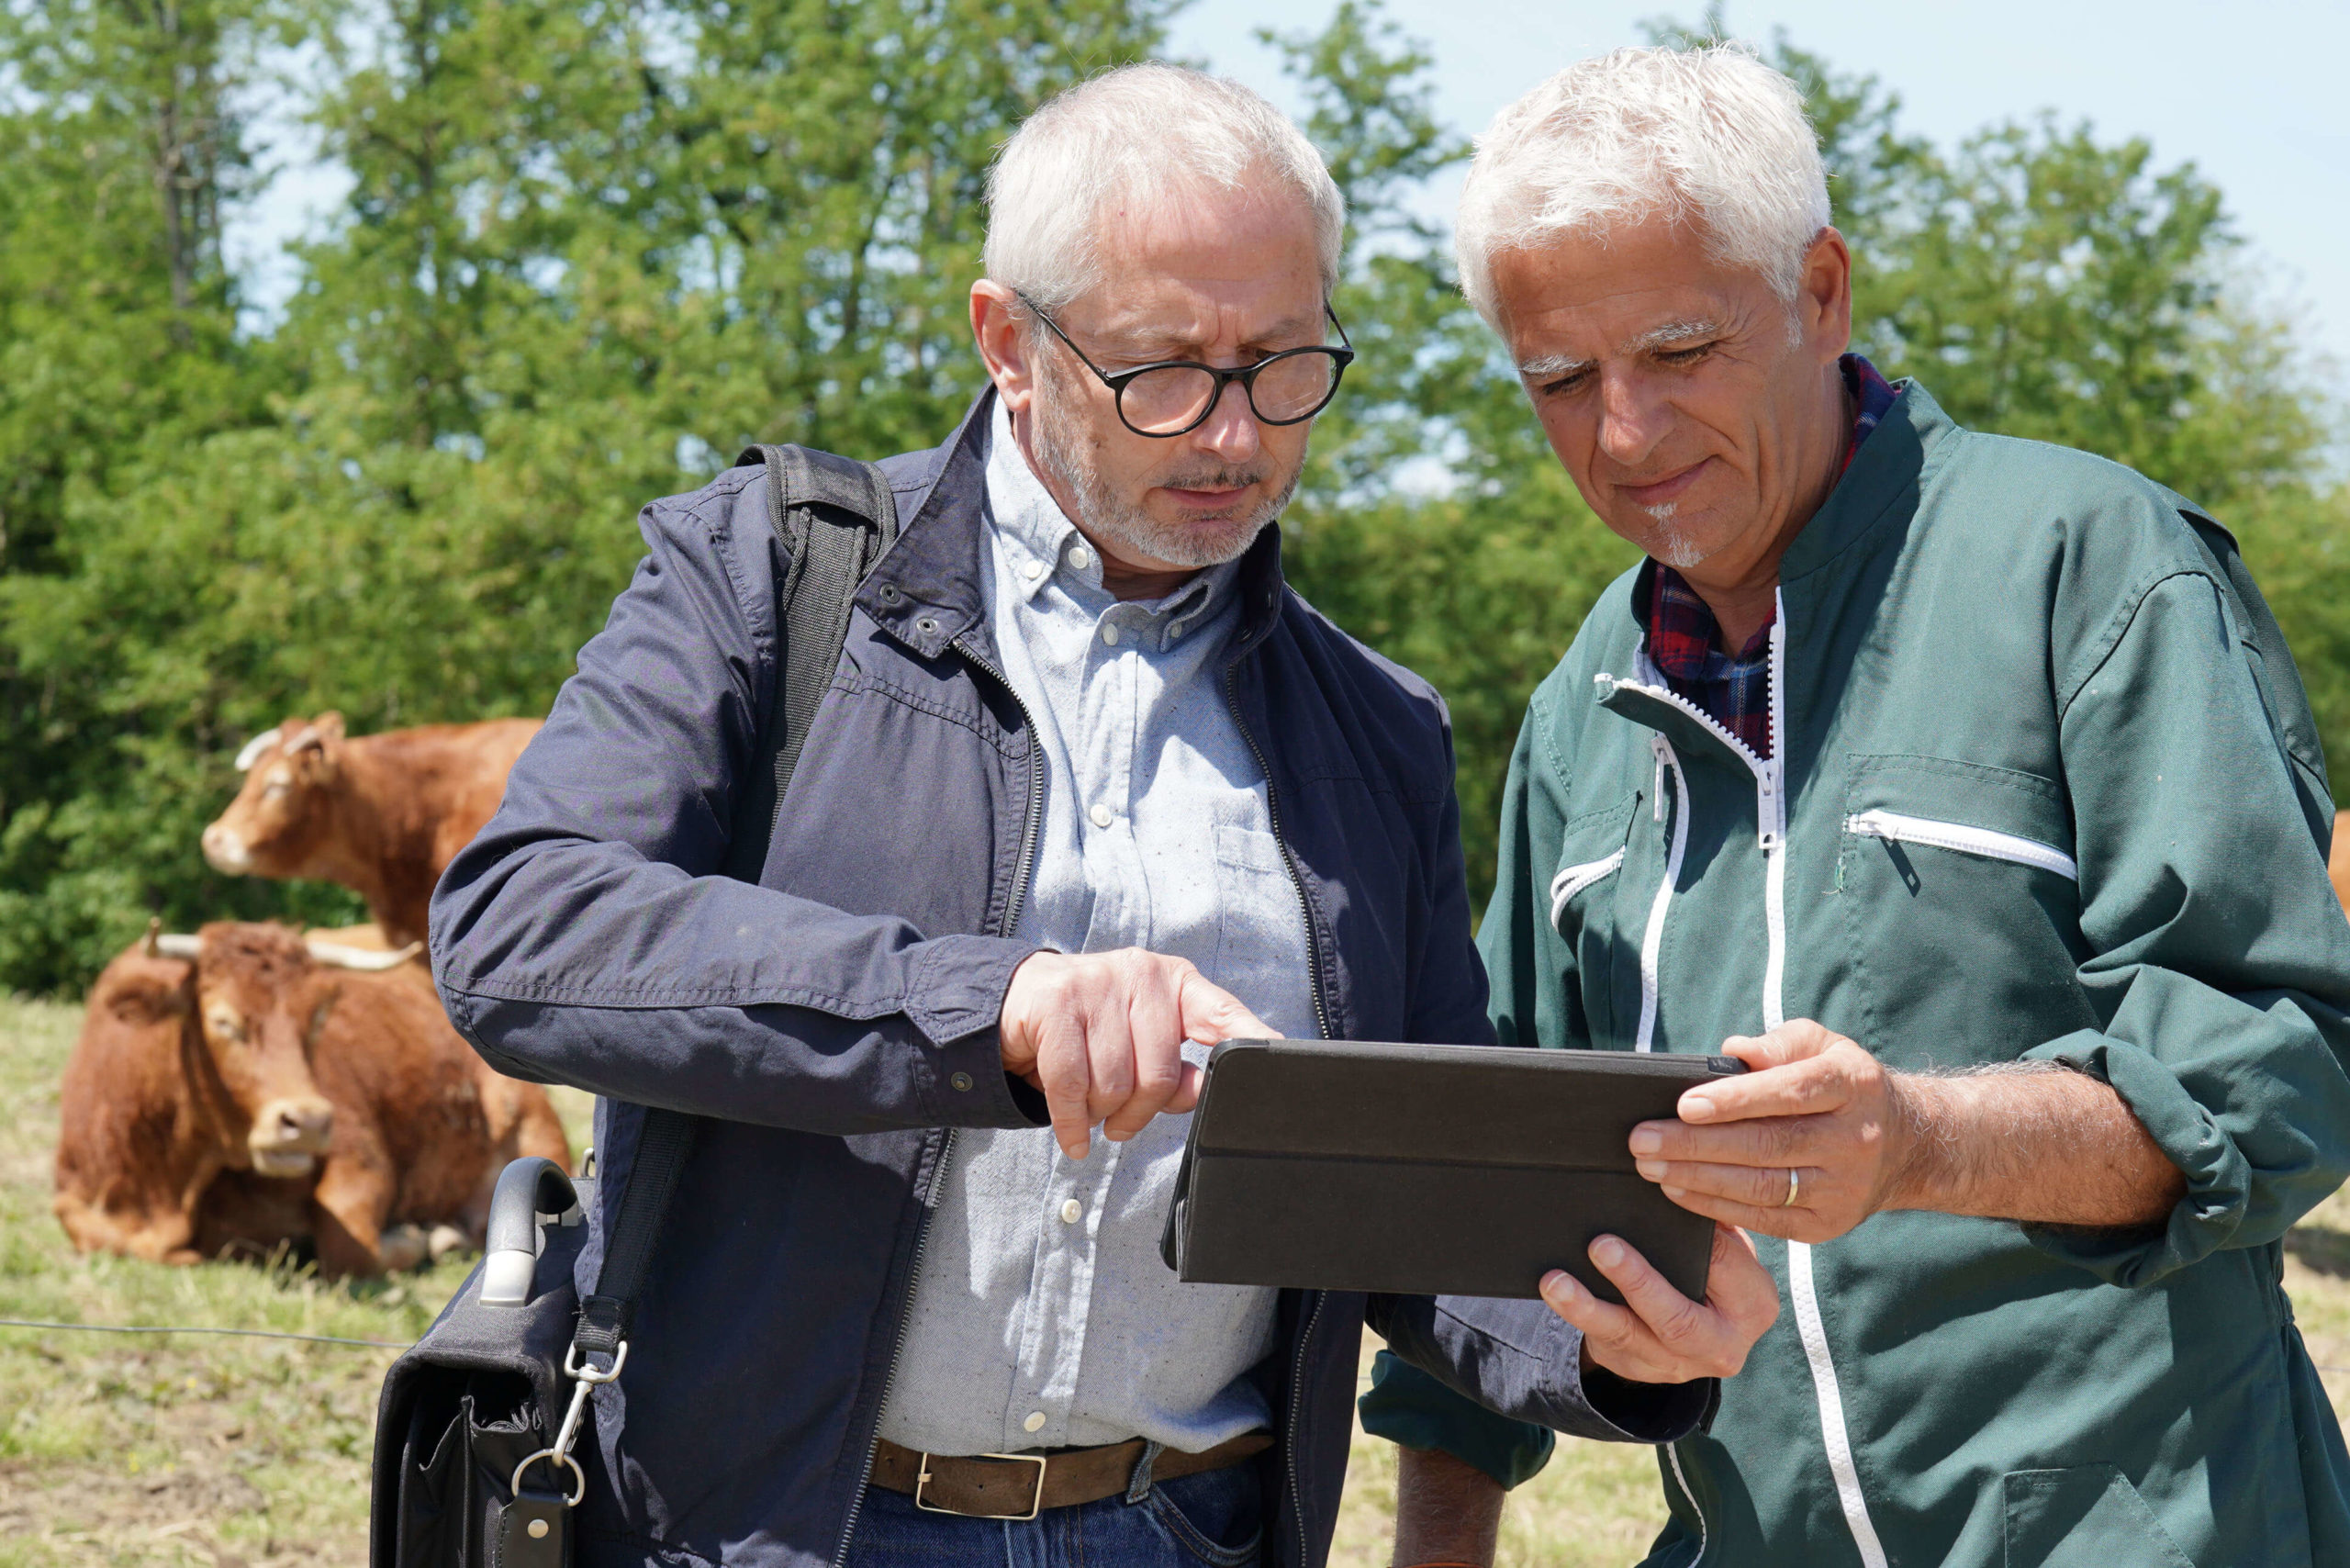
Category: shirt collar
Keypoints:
(1041, 545)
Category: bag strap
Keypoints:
(833, 518)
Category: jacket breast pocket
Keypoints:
(1588, 895)
(1961, 906)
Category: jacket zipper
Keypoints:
(1322, 1021)
(1895, 828)
(1296, 1395)
(1019, 878)
(1035, 795)
(1771, 824)
(1575, 878)
(897, 1348)
(1296, 877)
(1652, 939)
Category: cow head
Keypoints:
(276, 824)
(258, 1004)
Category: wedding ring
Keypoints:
(1795, 1185)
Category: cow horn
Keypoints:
(253, 748)
(162, 943)
(367, 960)
(305, 739)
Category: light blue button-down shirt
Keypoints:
(1043, 1316)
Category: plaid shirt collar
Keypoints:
(1683, 634)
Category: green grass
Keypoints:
(248, 1453)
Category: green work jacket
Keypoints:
(2045, 788)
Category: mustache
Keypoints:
(1218, 478)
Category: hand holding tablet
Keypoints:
(1466, 1170)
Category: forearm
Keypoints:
(1447, 1511)
(2030, 1142)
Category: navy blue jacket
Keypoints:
(838, 1018)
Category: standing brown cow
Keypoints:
(238, 1088)
(382, 814)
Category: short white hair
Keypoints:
(1143, 133)
(1710, 138)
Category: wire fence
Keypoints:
(198, 1328)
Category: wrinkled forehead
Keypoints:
(1591, 296)
(1196, 265)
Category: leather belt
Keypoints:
(1022, 1486)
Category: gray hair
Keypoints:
(1141, 132)
(1711, 138)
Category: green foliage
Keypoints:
(591, 249)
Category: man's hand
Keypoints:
(1659, 1334)
(1101, 1035)
(1816, 1105)
(1822, 1123)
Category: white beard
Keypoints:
(1065, 451)
(1670, 547)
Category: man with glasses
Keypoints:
(1089, 791)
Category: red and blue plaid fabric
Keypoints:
(1684, 636)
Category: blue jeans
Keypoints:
(1213, 1520)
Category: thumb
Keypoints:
(1187, 1092)
(1212, 1014)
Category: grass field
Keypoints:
(240, 1453)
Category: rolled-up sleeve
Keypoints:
(2218, 955)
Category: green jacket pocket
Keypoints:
(2087, 1517)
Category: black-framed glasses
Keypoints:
(1174, 396)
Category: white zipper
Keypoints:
(1673, 1453)
(1575, 878)
(1771, 832)
(1652, 939)
(1895, 828)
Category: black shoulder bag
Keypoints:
(475, 1430)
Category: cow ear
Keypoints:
(157, 993)
(329, 726)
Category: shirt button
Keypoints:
(1079, 557)
(961, 1083)
(1110, 634)
(1071, 1212)
(1102, 816)
(1034, 569)
(1036, 1422)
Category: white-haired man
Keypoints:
(1962, 786)
(1089, 790)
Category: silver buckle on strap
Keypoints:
(1035, 1500)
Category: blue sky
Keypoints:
(2256, 96)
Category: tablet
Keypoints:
(1427, 1170)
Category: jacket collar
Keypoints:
(925, 592)
(1887, 475)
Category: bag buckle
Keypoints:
(584, 1378)
(1036, 1502)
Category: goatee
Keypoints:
(1065, 451)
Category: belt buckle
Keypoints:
(1036, 1502)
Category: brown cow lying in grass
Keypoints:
(239, 1090)
(382, 814)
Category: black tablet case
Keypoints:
(1427, 1170)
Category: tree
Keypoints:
(590, 250)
